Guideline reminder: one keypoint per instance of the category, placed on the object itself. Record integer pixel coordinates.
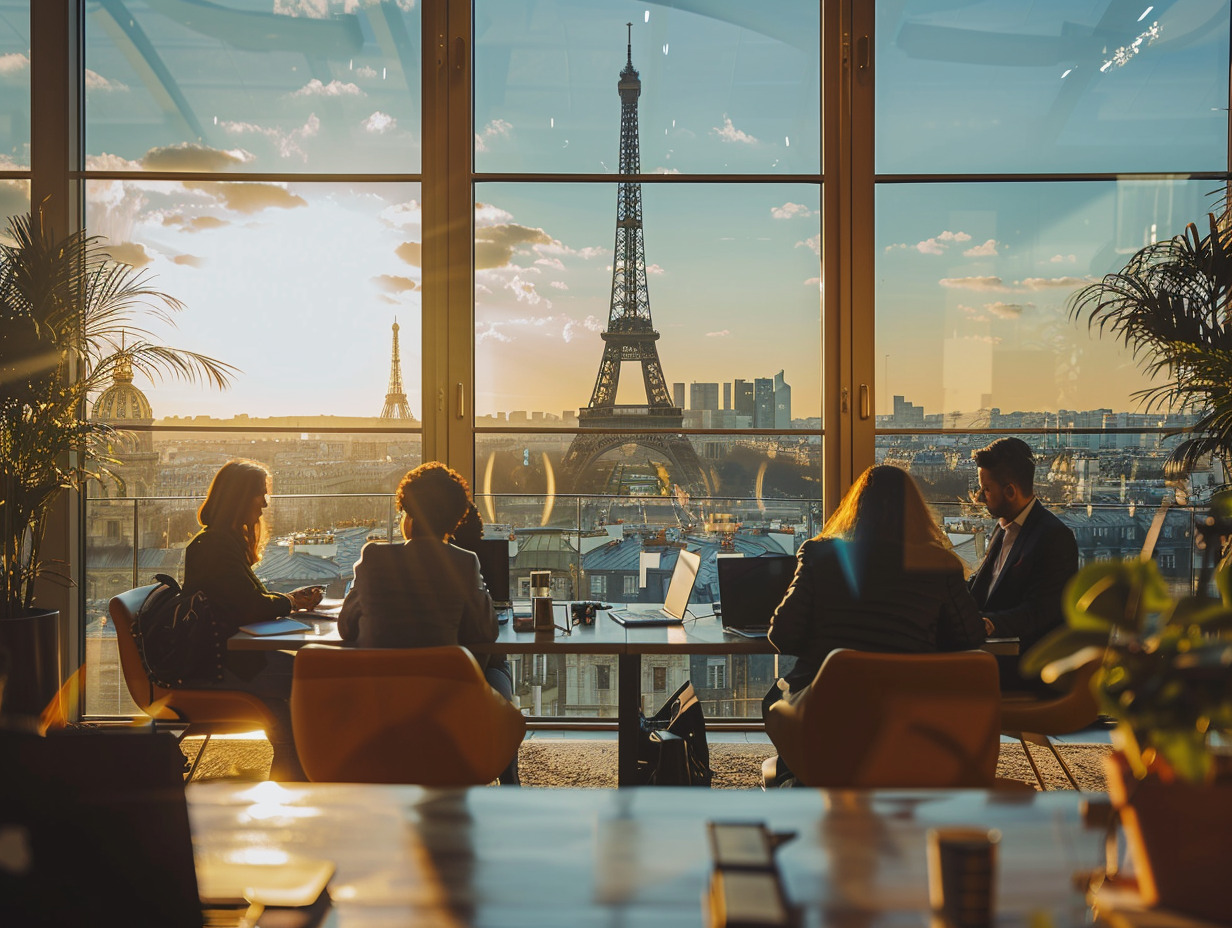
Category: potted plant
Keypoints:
(70, 316)
(1166, 677)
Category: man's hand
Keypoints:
(989, 628)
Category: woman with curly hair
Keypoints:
(426, 592)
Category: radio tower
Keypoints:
(396, 406)
(630, 334)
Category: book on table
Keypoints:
(283, 626)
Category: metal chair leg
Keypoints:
(192, 771)
(1031, 760)
(1064, 766)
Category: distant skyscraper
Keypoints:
(743, 398)
(396, 406)
(763, 403)
(727, 394)
(782, 402)
(704, 396)
(678, 394)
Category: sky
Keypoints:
(298, 283)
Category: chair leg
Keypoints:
(1064, 766)
(192, 771)
(1031, 760)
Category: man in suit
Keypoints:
(1031, 555)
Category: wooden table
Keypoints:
(545, 857)
(606, 636)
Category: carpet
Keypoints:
(545, 763)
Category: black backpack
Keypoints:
(177, 637)
(671, 748)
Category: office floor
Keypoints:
(588, 759)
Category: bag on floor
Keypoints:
(177, 637)
(671, 748)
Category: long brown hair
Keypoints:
(885, 513)
(231, 492)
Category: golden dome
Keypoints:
(122, 401)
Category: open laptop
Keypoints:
(94, 829)
(750, 589)
(676, 602)
(493, 554)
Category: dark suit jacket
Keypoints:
(1025, 602)
(840, 600)
(420, 594)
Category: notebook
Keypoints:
(750, 589)
(283, 626)
(96, 822)
(676, 602)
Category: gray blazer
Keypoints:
(419, 594)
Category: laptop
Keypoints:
(493, 554)
(94, 827)
(750, 589)
(677, 600)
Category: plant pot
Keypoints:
(1180, 840)
(33, 643)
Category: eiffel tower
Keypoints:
(396, 406)
(630, 337)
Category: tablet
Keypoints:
(283, 626)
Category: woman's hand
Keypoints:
(306, 597)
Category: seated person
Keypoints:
(426, 592)
(880, 576)
(1031, 556)
(218, 562)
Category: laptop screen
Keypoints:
(681, 587)
(751, 588)
(493, 554)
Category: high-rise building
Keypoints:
(678, 394)
(763, 403)
(727, 394)
(742, 396)
(782, 402)
(704, 396)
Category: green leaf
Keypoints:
(1201, 612)
(1114, 593)
(1059, 644)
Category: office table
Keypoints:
(640, 857)
(695, 636)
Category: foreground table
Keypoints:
(536, 857)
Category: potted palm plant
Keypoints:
(1166, 677)
(70, 316)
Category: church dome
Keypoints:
(122, 401)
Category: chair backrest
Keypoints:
(1063, 714)
(420, 715)
(122, 609)
(901, 720)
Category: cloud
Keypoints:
(1063, 259)
(558, 284)
(497, 128)
(495, 245)
(1005, 310)
(554, 263)
(287, 143)
(930, 246)
(987, 339)
(14, 197)
(488, 215)
(490, 333)
(189, 156)
(365, 71)
(525, 292)
(403, 215)
(994, 284)
(573, 329)
(722, 333)
(188, 260)
(196, 224)
(328, 9)
(248, 198)
(127, 253)
(789, 210)
(13, 63)
(813, 282)
(314, 88)
(729, 133)
(96, 82)
(812, 243)
(937, 244)
(392, 283)
(654, 269)
(379, 123)
(666, 171)
(411, 253)
(987, 250)
(1052, 283)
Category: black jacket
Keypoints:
(1025, 602)
(840, 600)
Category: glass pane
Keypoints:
(725, 89)
(731, 288)
(14, 91)
(1051, 86)
(250, 85)
(14, 199)
(270, 275)
(973, 284)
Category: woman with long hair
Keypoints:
(880, 576)
(428, 591)
(219, 562)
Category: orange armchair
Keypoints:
(420, 715)
(1032, 719)
(201, 711)
(893, 720)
